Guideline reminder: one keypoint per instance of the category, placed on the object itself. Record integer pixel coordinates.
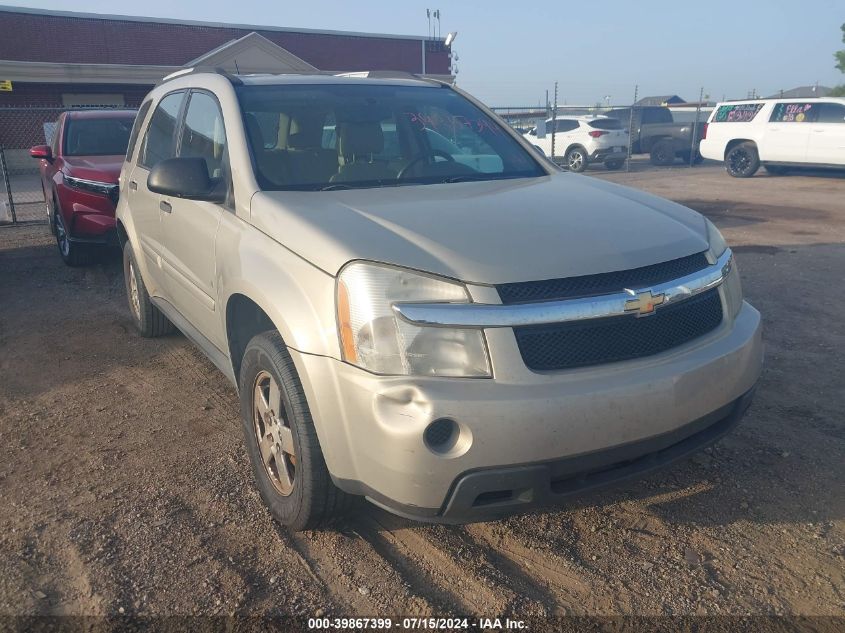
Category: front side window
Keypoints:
(160, 141)
(107, 136)
(794, 112)
(136, 129)
(204, 135)
(831, 113)
(340, 136)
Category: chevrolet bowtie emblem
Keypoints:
(644, 302)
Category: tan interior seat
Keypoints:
(357, 143)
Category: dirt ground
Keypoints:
(125, 487)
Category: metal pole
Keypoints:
(693, 150)
(631, 131)
(8, 184)
(554, 123)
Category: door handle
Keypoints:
(164, 205)
(133, 185)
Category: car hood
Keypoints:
(489, 232)
(101, 168)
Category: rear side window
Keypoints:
(606, 124)
(160, 142)
(831, 113)
(736, 112)
(794, 112)
(136, 129)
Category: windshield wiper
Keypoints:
(469, 178)
(336, 186)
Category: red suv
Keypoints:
(79, 175)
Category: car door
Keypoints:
(827, 135)
(189, 227)
(159, 143)
(788, 132)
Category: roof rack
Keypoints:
(234, 79)
(390, 74)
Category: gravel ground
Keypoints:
(126, 489)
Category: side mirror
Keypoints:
(184, 178)
(41, 152)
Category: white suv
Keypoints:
(581, 140)
(776, 133)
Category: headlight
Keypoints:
(374, 338)
(107, 189)
(733, 287)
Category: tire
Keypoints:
(742, 161)
(148, 319)
(296, 487)
(663, 153)
(576, 159)
(776, 170)
(613, 165)
(72, 253)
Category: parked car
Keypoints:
(655, 132)
(581, 140)
(79, 173)
(451, 344)
(777, 134)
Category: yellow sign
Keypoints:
(5, 85)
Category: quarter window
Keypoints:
(794, 112)
(831, 113)
(160, 141)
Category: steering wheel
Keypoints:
(421, 157)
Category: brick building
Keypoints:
(63, 59)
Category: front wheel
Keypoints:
(576, 159)
(281, 439)
(614, 164)
(742, 161)
(72, 253)
(148, 319)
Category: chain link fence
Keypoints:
(21, 190)
(661, 130)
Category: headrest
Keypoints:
(306, 133)
(357, 139)
(253, 131)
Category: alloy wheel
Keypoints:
(134, 298)
(576, 159)
(273, 433)
(61, 236)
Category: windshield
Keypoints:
(98, 137)
(341, 136)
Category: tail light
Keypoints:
(596, 133)
(704, 131)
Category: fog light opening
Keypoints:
(441, 435)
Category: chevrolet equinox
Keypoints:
(415, 306)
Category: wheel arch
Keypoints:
(737, 141)
(244, 320)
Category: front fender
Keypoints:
(297, 296)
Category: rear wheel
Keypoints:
(281, 440)
(663, 153)
(72, 253)
(576, 159)
(614, 164)
(742, 161)
(148, 319)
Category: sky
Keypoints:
(510, 52)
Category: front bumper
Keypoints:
(528, 438)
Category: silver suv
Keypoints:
(417, 308)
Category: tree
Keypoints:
(839, 91)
